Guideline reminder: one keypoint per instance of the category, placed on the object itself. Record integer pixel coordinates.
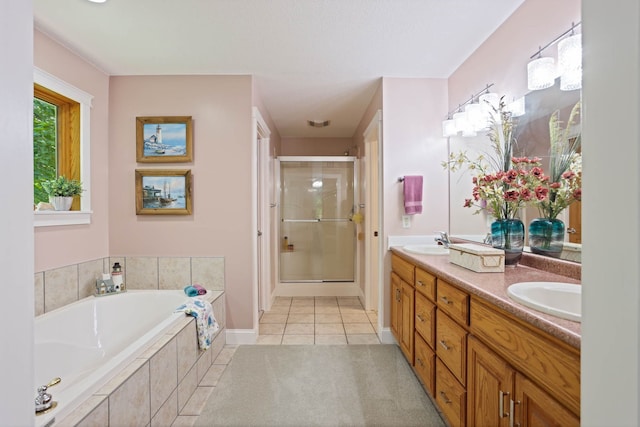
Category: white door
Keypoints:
(373, 228)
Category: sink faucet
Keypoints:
(443, 239)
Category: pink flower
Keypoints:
(511, 195)
(577, 194)
(541, 192)
(555, 185)
(568, 174)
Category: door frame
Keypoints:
(373, 254)
(261, 218)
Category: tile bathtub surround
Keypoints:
(318, 320)
(61, 286)
(170, 379)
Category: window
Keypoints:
(61, 145)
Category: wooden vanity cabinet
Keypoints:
(402, 304)
(498, 395)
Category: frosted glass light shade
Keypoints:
(476, 116)
(449, 128)
(489, 100)
(460, 119)
(541, 73)
(517, 108)
(570, 62)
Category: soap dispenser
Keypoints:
(116, 276)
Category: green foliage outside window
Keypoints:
(44, 147)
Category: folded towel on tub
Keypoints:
(412, 190)
(206, 324)
(201, 290)
(190, 291)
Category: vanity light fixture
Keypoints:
(471, 116)
(97, 1)
(542, 71)
(449, 127)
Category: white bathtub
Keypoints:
(87, 342)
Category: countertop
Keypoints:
(492, 287)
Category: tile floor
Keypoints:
(318, 320)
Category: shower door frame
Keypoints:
(318, 287)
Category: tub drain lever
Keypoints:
(43, 400)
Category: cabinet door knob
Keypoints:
(444, 397)
(444, 345)
(419, 318)
(446, 300)
(420, 283)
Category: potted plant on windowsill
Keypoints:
(61, 192)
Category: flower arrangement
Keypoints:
(562, 187)
(62, 187)
(502, 184)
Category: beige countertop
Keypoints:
(492, 287)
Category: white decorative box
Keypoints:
(478, 258)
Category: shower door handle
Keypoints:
(259, 233)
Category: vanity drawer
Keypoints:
(425, 360)
(451, 346)
(450, 396)
(453, 301)
(425, 321)
(426, 284)
(403, 268)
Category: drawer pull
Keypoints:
(420, 283)
(420, 361)
(420, 318)
(501, 410)
(444, 345)
(444, 397)
(511, 413)
(446, 300)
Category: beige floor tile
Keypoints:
(269, 339)
(212, 376)
(363, 339)
(272, 328)
(325, 299)
(355, 318)
(225, 355)
(281, 309)
(358, 328)
(297, 339)
(351, 310)
(196, 402)
(328, 318)
(299, 329)
(282, 301)
(302, 301)
(302, 309)
(274, 318)
(301, 318)
(331, 339)
(327, 309)
(185, 421)
(329, 329)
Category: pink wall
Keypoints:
(316, 146)
(60, 246)
(220, 107)
(412, 144)
(502, 59)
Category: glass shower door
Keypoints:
(317, 237)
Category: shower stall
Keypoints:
(317, 239)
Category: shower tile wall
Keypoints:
(58, 287)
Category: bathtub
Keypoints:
(87, 342)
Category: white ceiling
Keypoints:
(312, 59)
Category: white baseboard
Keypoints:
(311, 289)
(241, 336)
(386, 336)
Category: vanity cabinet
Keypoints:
(482, 365)
(499, 395)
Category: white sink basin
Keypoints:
(427, 249)
(556, 298)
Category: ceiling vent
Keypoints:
(318, 124)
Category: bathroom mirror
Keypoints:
(532, 134)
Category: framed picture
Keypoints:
(163, 192)
(164, 139)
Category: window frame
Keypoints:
(65, 161)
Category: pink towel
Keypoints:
(412, 194)
(200, 289)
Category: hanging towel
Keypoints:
(206, 324)
(412, 194)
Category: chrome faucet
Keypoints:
(43, 400)
(443, 239)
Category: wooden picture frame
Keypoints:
(163, 192)
(164, 139)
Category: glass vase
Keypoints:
(508, 235)
(546, 236)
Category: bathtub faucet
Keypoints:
(44, 400)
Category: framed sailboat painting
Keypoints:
(163, 192)
(164, 139)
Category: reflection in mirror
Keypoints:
(532, 134)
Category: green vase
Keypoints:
(508, 235)
(546, 236)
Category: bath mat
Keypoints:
(342, 385)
